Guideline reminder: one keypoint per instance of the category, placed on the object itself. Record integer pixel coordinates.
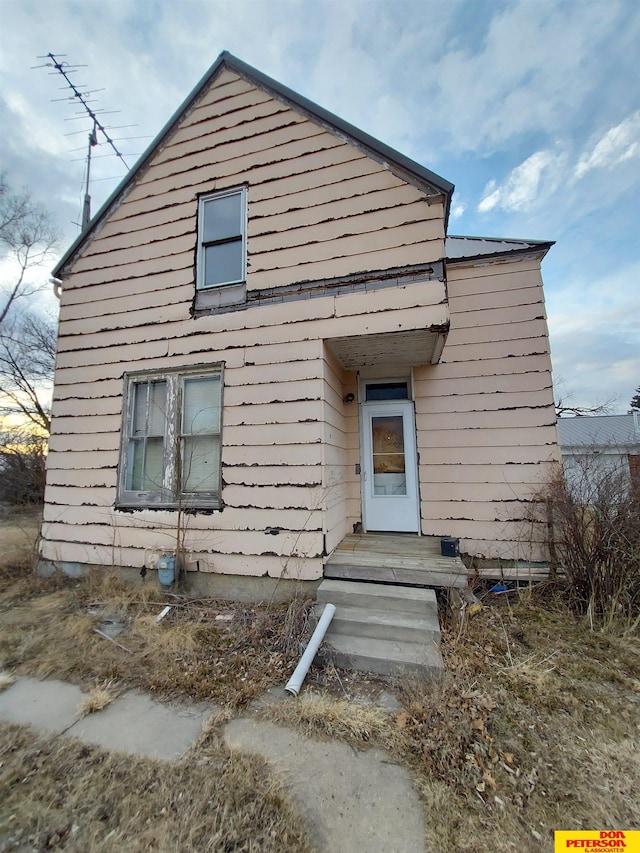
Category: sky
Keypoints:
(531, 108)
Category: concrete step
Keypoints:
(384, 624)
(376, 596)
(382, 628)
(386, 657)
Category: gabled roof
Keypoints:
(403, 166)
(476, 248)
(600, 431)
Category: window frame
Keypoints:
(167, 495)
(201, 286)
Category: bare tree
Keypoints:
(27, 356)
(22, 467)
(28, 237)
(565, 406)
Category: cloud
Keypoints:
(536, 66)
(620, 143)
(595, 340)
(457, 209)
(534, 179)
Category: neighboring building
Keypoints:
(267, 339)
(599, 444)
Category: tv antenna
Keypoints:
(83, 98)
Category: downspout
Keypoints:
(295, 682)
(57, 286)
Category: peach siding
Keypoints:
(290, 444)
(318, 208)
(341, 454)
(485, 414)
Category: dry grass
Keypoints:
(18, 535)
(48, 628)
(67, 795)
(100, 697)
(6, 680)
(325, 716)
(534, 727)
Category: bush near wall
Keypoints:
(593, 529)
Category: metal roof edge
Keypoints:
(228, 60)
(500, 239)
(539, 246)
(365, 139)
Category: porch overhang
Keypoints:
(413, 347)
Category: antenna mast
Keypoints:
(86, 209)
(64, 69)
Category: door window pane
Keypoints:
(387, 440)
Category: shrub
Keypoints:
(593, 529)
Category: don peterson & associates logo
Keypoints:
(614, 839)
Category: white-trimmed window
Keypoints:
(222, 238)
(170, 454)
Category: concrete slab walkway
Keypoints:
(353, 801)
(132, 723)
(350, 800)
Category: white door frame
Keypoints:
(393, 513)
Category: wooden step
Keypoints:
(395, 575)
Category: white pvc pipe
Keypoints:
(295, 682)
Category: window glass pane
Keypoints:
(201, 463)
(144, 471)
(157, 408)
(135, 465)
(222, 218)
(153, 464)
(223, 263)
(387, 435)
(139, 424)
(201, 405)
(149, 408)
(387, 391)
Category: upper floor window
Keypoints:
(222, 238)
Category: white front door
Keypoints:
(389, 467)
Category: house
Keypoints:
(599, 445)
(268, 341)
